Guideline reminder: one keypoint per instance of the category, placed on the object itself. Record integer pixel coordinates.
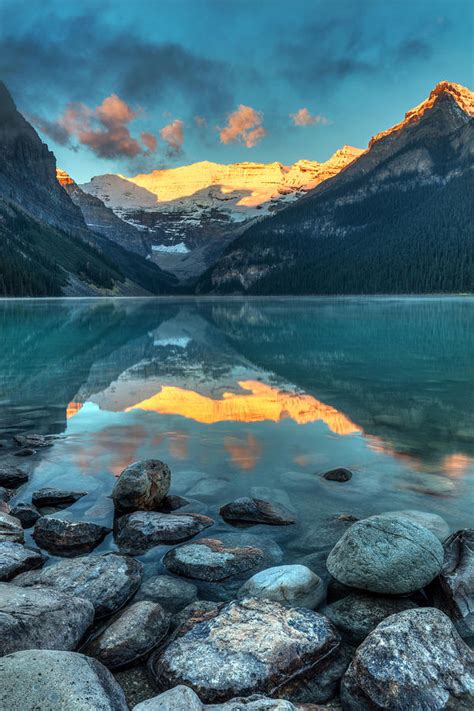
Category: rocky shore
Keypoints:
(380, 617)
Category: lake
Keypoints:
(248, 397)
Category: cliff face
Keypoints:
(408, 192)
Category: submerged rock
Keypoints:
(12, 477)
(431, 521)
(107, 581)
(339, 474)
(56, 497)
(412, 660)
(181, 698)
(141, 530)
(130, 636)
(251, 645)
(172, 593)
(32, 440)
(41, 618)
(142, 486)
(27, 514)
(16, 559)
(68, 538)
(293, 585)
(210, 559)
(386, 555)
(10, 528)
(57, 681)
(249, 510)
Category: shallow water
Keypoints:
(249, 397)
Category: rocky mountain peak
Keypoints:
(63, 178)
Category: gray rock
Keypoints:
(209, 559)
(172, 502)
(16, 559)
(194, 613)
(141, 530)
(171, 593)
(181, 698)
(68, 538)
(130, 636)
(10, 528)
(293, 585)
(386, 555)
(32, 440)
(256, 702)
(340, 474)
(27, 514)
(412, 660)
(107, 581)
(251, 645)
(25, 452)
(41, 618)
(12, 477)
(431, 521)
(47, 680)
(56, 497)
(357, 615)
(142, 486)
(250, 510)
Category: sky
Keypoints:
(128, 87)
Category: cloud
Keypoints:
(52, 129)
(149, 140)
(244, 125)
(303, 117)
(173, 135)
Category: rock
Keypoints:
(453, 589)
(356, 615)
(412, 660)
(47, 680)
(256, 702)
(68, 538)
(293, 585)
(32, 440)
(194, 613)
(141, 530)
(142, 486)
(250, 645)
(181, 698)
(5, 496)
(171, 593)
(339, 474)
(386, 555)
(250, 510)
(56, 497)
(172, 502)
(431, 521)
(107, 581)
(10, 528)
(209, 559)
(27, 514)
(16, 559)
(26, 452)
(130, 636)
(41, 618)
(12, 477)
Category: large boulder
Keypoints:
(142, 486)
(107, 581)
(210, 559)
(412, 660)
(68, 538)
(292, 585)
(171, 593)
(250, 645)
(16, 559)
(41, 618)
(249, 510)
(27, 514)
(433, 522)
(12, 477)
(141, 530)
(10, 529)
(386, 555)
(47, 680)
(129, 636)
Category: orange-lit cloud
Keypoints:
(149, 140)
(303, 117)
(173, 136)
(244, 125)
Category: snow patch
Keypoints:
(179, 248)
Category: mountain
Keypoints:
(398, 219)
(46, 249)
(188, 215)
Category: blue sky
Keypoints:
(355, 66)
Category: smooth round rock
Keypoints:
(340, 474)
(141, 530)
(431, 521)
(357, 615)
(44, 680)
(56, 497)
(27, 514)
(250, 645)
(209, 559)
(68, 538)
(10, 529)
(41, 618)
(16, 559)
(386, 555)
(130, 636)
(171, 593)
(181, 698)
(12, 477)
(248, 510)
(107, 581)
(142, 486)
(412, 660)
(293, 585)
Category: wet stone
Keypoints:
(173, 502)
(10, 528)
(25, 452)
(16, 559)
(68, 538)
(142, 486)
(172, 593)
(431, 521)
(209, 559)
(12, 477)
(340, 474)
(27, 514)
(248, 510)
(56, 497)
(293, 585)
(141, 530)
(256, 702)
(181, 698)
(32, 440)
(194, 613)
